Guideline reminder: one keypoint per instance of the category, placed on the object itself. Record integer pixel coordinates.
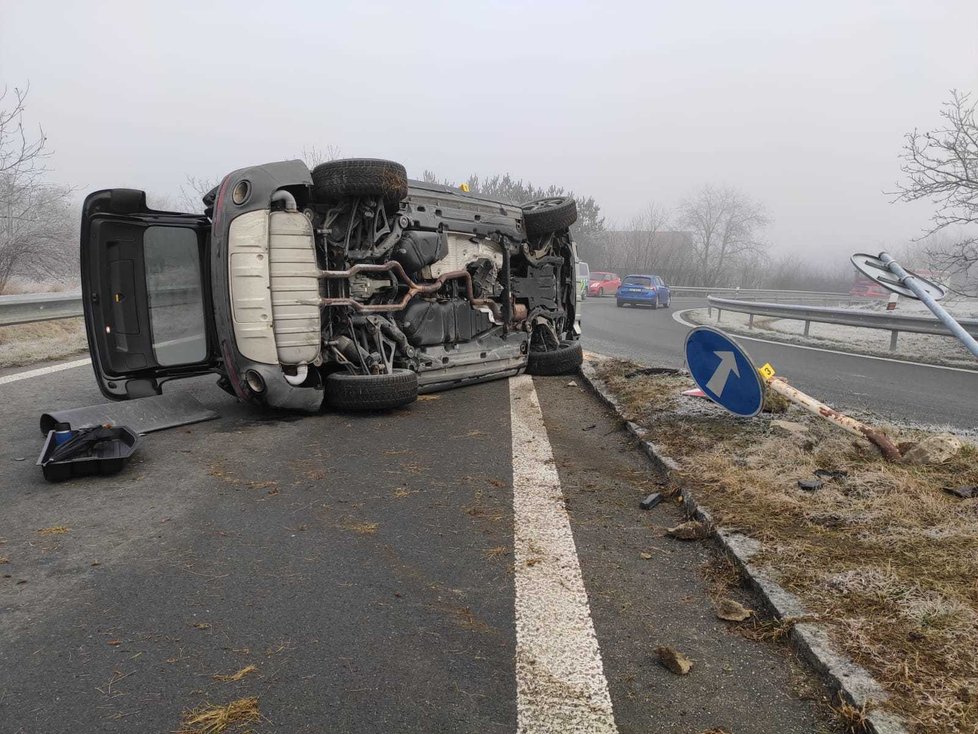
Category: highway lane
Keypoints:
(889, 389)
(366, 566)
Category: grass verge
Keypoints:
(27, 344)
(885, 558)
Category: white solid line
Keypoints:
(43, 371)
(678, 316)
(560, 682)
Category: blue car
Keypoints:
(644, 290)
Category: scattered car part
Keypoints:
(144, 415)
(810, 485)
(93, 450)
(831, 475)
(965, 493)
(651, 501)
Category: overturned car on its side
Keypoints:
(347, 283)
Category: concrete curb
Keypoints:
(853, 682)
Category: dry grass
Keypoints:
(27, 344)
(209, 719)
(54, 530)
(885, 558)
(247, 670)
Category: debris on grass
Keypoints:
(674, 661)
(810, 485)
(689, 530)
(885, 557)
(651, 501)
(965, 493)
(201, 626)
(498, 552)
(732, 611)
(55, 530)
(247, 670)
(210, 719)
(4, 560)
(645, 556)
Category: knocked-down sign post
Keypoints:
(891, 275)
(725, 373)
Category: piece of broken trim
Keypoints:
(143, 415)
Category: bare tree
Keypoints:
(724, 224)
(192, 194)
(942, 166)
(35, 217)
(313, 155)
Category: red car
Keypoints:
(602, 284)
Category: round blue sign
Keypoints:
(724, 371)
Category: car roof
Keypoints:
(641, 275)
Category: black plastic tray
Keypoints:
(109, 458)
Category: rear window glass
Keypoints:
(582, 270)
(637, 280)
(174, 288)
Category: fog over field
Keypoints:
(802, 109)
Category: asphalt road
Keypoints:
(890, 389)
(365, 565)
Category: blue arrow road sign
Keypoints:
(724, 371)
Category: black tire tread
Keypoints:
(359, 177)
(566, 360)
(371, 392)
(551, 219)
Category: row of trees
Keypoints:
(38, 224)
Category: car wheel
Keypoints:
(655, 303)
(371, 392)
(667, 303)
(549, 215)
(620, 304)
(359, 177)
(566, 359)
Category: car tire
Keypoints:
(550, 214)
(335, 180)
(371, 392)
(565, 360)
(620, 304)
(655, 303)
(667, 303)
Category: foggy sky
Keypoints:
(804, 109)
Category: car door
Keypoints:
(145, 293)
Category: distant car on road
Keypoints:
(602, 284)
(643, 290)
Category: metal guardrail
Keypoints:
(768, 294)
(889, 321)
(33, 307)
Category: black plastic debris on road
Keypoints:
(651, 501)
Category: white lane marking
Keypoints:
(560, 682)
(43, 371)
(678, 317)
